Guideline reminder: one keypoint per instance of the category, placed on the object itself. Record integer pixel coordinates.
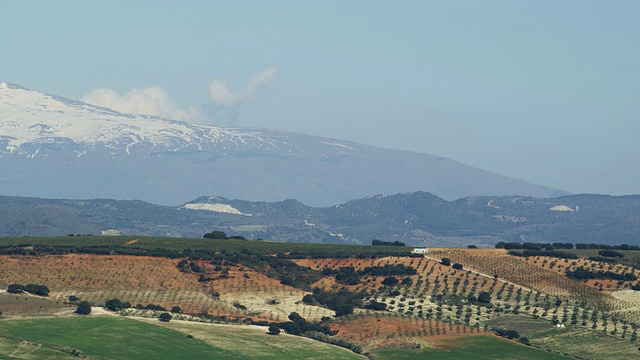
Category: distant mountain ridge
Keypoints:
(59, 148)
(414, 218)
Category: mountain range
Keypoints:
(54, 147)
(418, 218)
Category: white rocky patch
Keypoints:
(111, 232)
(509, 218)
(221, 208)
(561, 208)
(337, 144)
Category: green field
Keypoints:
(520, 323)
(473, 347)
(585, 344)
(105, 337)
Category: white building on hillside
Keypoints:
(420, 250)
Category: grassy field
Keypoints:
(585, 344)
(107, 337)
(477, 347)
(15, 349)
(521, 324)
(28, 305)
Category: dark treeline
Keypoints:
(550, 253)
(581, 273)
(606, 247)
(564, 246)
(533, 246)
(387, 243)
(41, 290)
(610, 253)
(38, 249)
(602, 259)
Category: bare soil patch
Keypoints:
(28, 305)
(382, 331)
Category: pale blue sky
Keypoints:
(542, 91)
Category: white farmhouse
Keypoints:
(420, 250)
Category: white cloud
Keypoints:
(220, 95)
(148, 101)
(222, 109)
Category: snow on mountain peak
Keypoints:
(31, 117)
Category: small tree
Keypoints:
(273, 330)
(457, 266)
(15, 289)
(484, 297)
(113, 305)
(165, 317)
(84, 308)
(446, 261)
(216, 235)
(390, 281)
(309, 299)
(176, 310)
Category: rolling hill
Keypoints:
(415, 218)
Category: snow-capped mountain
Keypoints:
(51, 146)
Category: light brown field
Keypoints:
(145, 280)
(382, 331)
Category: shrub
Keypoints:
(273, 330)
(308, 299)
(15, 289)
(195, 267)
(84, 308)
(114, 305)
(165, 317)
(390, 281)
(375, 305)
(218, 235)
(41, 290)
(484, 297)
